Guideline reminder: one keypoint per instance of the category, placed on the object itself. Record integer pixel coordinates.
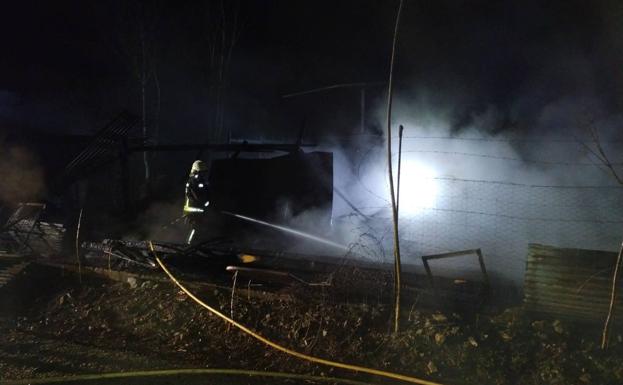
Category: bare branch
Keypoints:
(599, 152)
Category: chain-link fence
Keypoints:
(499, 216)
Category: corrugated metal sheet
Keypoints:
(570, 283)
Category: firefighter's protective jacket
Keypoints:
(197, 194)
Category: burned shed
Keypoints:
(276, 188)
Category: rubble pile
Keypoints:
(154, 319)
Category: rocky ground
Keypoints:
(97, 326)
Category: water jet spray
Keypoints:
(288, 230)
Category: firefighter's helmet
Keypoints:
(198, 166)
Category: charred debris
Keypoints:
(104, 213)
(105, 227)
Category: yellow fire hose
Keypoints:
(316, 360)
(181, 372)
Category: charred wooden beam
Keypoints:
(241, 147)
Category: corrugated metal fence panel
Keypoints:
(105, 147)
(570, 283)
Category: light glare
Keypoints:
(418, 188)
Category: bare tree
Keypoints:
(223, 27)
(397, 263)
(136, 26)
(596, 149)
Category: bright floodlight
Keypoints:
(418, 188)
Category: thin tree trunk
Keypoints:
(397, 263)
(362, 105)
(143, 97)
(156, 133)
(613, 297)
(78, 246)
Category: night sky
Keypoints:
(65, 66)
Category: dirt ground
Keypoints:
(71, 328)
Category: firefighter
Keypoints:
(197, 196)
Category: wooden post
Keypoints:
(400, 129)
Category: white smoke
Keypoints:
(499, 192)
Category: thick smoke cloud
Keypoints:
(475, 185)
(501, 133)
(21, 175)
